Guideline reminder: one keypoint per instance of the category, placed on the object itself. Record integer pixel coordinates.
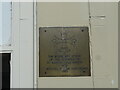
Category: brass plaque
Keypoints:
(64, 52)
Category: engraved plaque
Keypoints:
(64, 52)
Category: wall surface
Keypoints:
(104, 40)
(119, 44)
(16, 37)
(103, 34)
(22, 40)
(5, 23)
(63, 14)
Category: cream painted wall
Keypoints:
(104, 41)
(63, 14)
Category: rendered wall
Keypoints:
(103, 34)
(63, 14)
(5, 23)
(22, 54)
(104, 39)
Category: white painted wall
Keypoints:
(21, 41)
(22, 59)
(5, 23)
(26, 45)
(0, 23)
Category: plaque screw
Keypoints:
(84, 71)
(45, 30)
(82, 30)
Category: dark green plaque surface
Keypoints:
(64, 51)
